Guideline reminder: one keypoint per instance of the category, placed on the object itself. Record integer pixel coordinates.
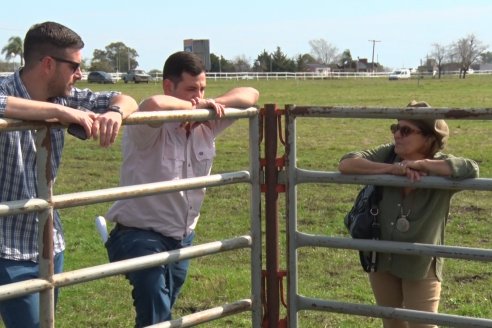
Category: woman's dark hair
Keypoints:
(423, 127)
(436, 130)
(427, 132)
(181, 62)
(49, 39)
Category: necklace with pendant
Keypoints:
(402, 223)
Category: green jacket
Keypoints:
(427, 212)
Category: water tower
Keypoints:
(201, 48)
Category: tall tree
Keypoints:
(241, 64)
(302, 62)
(263, 63)
(14, 48)
(215, 63)
(345, 60)
(220, 64)
(439, 53)
(467, 50)
(281, 63)
(116, 57)
(486, 57)
(323, 51)
(100, 62)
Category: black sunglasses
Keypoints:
(75, 66)
(404, 130)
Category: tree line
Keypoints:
(118, 57)
(463, 53)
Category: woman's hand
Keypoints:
(414, 170)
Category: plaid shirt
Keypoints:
(18, 172)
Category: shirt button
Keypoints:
(392, 224)
(189, 164)
(200, 153)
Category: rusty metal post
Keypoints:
(271, 210)
(45, 226)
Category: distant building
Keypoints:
(201, 48)
(361, 65)
(319, 69)
(485, 67)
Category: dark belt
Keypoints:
(121, 227)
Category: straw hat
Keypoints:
(439, 128)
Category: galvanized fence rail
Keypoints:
(47, 202)
(291, 177)
(297, 239)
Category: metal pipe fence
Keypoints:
(47, 202)
(291, 177)
(296, 239)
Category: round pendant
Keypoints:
(402, 224)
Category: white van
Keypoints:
(399, 74)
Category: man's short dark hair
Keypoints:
(49, 39)
(180, 62)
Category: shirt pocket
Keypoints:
(204, 152)
(172, 158)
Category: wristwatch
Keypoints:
(115, 108)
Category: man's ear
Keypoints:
(47, 63)
(167, 86)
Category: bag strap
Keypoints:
(370, 265)
(377, 189)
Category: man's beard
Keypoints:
(56, 89)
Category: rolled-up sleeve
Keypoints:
(97, 102)
(3, 105)
(377, 154)
(463, 168)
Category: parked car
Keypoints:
(137, 76)
(399, 74)
(100, 77)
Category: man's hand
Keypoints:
(208, 103)
(106, 126)
(83, 118)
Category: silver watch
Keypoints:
(115, 108)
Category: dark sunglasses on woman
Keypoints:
(404, 130)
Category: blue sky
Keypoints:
(406, 29)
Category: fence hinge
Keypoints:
(281, 274)
(280, 165)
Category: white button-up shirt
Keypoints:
(164, 154)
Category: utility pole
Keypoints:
(128, 50)
(373, 46)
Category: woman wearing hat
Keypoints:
(410, 214)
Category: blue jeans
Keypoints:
(23, 311)
(154, 289)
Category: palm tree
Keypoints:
(14, 48)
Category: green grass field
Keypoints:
(326, 274)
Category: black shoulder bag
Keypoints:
(362, 220)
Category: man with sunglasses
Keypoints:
(43, 90)
(409, 214)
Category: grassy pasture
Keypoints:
(327, 274)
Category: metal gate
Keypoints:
(297, 239)
(47, 202)
(272, 175)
